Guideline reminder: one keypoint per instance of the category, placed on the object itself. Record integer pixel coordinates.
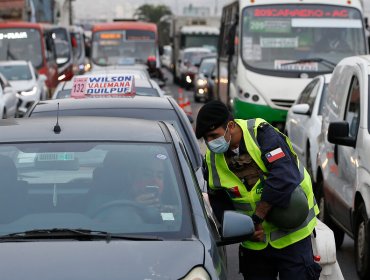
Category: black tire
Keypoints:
(362, 246)
(324, 215)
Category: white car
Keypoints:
(143, 84)
(343, 175)
(8, 99)
(303, 123)
(25, 80)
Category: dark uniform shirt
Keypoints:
(281, 179)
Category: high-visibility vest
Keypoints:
(220, 176)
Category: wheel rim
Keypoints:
(361, 243)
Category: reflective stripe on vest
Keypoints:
(221, 177)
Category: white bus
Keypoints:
(269, 50)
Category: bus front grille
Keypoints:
(283, 102)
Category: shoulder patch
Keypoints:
(274, 155)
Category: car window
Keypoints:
(98, 186)
(323, 99)
(305, 95)
(352, 115)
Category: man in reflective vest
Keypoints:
(256, 167)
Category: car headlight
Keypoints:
(198, 273)
(188, 79)
(29, 92)
(201, 82)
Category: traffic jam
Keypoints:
(220, 140)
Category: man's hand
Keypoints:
(258, 235)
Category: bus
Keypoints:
(269, 51)
(31, 42)
(63, 51)
(126, 42)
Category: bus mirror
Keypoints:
(230, 46)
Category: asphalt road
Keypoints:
(345, 255)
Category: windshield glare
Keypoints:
(274, 35)
(97, 186)
(21, 44)
(121, 47)
(16, 72)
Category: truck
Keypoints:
(191, 31)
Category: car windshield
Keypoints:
(194, 57)
(122, 47)
(207, 66)
(121, 188)
(275, 37)
(21, 44)
(16, 72)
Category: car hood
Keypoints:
(22, 85)
(64, 260)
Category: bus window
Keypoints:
(118, 46)
(21, 44)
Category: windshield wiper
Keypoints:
(324, 61)
(76, 233)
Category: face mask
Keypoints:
(219, 145)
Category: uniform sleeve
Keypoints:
(283, 173)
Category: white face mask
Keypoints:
(219, 145)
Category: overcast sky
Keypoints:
(100, 9)
(123, 8)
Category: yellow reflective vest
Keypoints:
(220, 176)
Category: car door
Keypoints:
(347, 158)
(298, 122)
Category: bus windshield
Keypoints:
(123, 46)
(21, 44)
(205, 41)
(300, 38)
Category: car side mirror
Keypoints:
(236, 227)
(301, 109)
(338, 133)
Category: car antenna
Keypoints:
(57, 128)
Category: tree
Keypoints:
(152, 13)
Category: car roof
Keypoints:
(81, 129)
(137, 102)
(14, 62)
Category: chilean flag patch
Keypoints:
(275, 155)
